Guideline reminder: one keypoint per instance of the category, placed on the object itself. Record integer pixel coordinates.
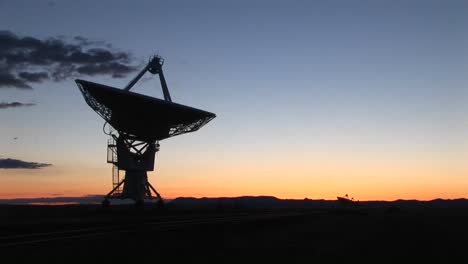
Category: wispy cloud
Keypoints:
(88, 199)
(5, 105)
(20, 164)
(27, 60)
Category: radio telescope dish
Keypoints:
(140, 121)
(144, 117)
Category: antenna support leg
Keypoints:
(154, 66)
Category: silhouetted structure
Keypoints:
(345, 201)
(139, 122)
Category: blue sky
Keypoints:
(293, 83)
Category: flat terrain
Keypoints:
(79, 233)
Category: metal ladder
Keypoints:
(112, 158)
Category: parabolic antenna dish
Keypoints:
(141, 116)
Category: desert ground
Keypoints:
(237, 231)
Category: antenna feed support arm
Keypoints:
(154, 66)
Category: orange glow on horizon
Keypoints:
(404, 182)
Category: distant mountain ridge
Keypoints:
(271, 202)
(247, 202)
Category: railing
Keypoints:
(116, 179)
(112, 158)
(111, 151)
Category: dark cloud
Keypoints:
(34, 76)
(9, 80)
(88, 199)
(115, 69)
(5, 105)
(86, 42)
(20, 164)
(27, 60)
(80, 38)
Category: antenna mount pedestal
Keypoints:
(136, 158)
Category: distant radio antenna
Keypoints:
(136, 123)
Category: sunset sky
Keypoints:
(313, 98)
